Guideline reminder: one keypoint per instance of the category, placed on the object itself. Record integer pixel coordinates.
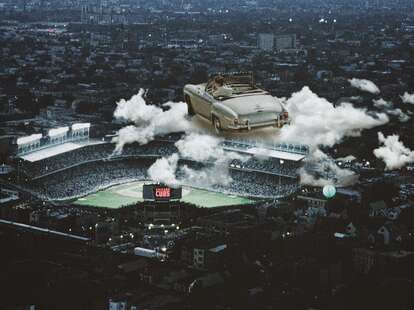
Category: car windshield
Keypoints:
(240, 83)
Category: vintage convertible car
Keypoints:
(236, 104)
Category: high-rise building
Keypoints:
(285, 41)
(266, 41)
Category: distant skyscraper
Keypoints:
(286, 41)
(266, 41)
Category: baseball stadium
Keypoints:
(67, 166)
(130, 193)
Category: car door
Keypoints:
(202, 103)
(206, 103)
(197, 101)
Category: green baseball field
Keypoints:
(125, 194)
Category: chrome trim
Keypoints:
(250, 126)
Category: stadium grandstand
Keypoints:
(66, 165)
(57, 140)
(293, 152)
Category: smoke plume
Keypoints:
(164, 170)
(382, 104)
(201, 148)
(348, 158)
(393, 152)
(149, 120)
(408, 98)
(321, 170)
(388, 108)
(317, 122)
(365, 85)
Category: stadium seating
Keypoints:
(92, 153)
(84, 170)
(271, 166)
(87, 178)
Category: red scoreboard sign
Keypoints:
(162, 193)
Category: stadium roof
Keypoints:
(29, 139)
(51, 151)
(261, 151)
(79, 126)
(58, 131)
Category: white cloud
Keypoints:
(164, 170)
(309, 179)
(167, 170)
(364, 85)
(136, 110)
(203, 148)
(217, 174)
(149, 120)
(408, 98)
(382, 104)
(402, 117)
(200, 148)
(393, 152)
(317, 122)
(325, 171)
(388, 108)
(348, 158)
(338, 177)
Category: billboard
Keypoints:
(161, 192)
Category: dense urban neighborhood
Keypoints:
(112, 196)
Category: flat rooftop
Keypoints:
(51, 151)
(261, 151)
(275, 154)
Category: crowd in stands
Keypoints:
(92, 153)
(84, 170)
(252, 183)
(92, 176)
(156, 149)
(285, 147)
(271, 166)
(88, 177)
(260, 185)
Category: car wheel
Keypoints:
(190, 109)
(217, 124)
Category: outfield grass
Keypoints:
(106, 199)
(125, 194)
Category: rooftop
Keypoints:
(51, 151)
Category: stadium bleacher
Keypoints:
(83, 170)
(90, 153)
(88, 177)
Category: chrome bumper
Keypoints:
(250, 126)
